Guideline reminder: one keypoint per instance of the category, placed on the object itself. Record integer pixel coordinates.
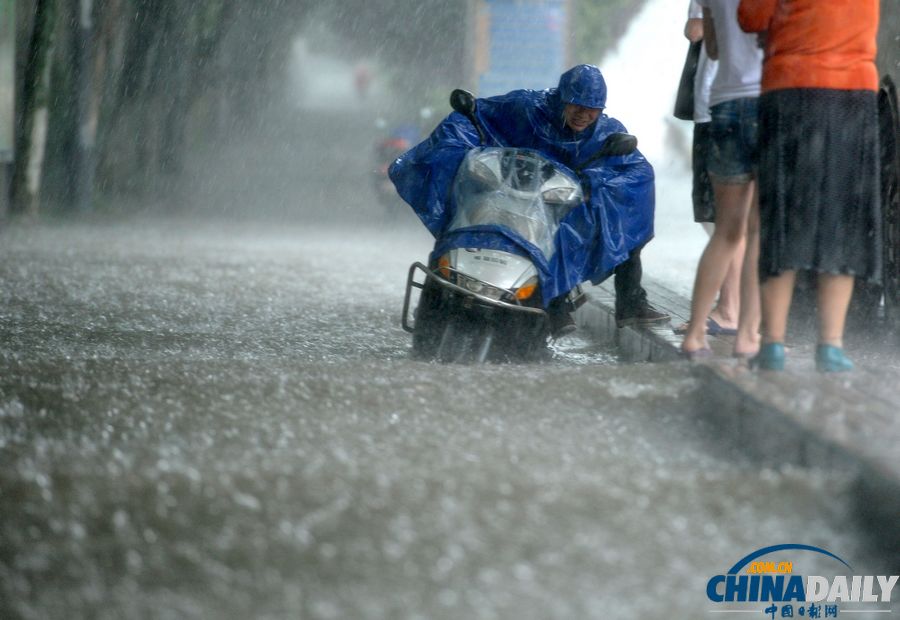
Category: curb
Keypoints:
(848, 423)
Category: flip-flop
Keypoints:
(697, 354)
(714, 329)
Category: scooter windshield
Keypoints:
(518, 189)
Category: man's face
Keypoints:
(578, 117)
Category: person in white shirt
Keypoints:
(732, 168)
(723, 318)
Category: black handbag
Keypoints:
(684, 100)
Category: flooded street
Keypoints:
(208, 411)
(222, 421)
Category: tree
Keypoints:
(31, 140)
(131, 84)
(86, 99)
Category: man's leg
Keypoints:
(632, 307)
(561, 320)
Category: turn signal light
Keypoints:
(526, 291)
(444, 266)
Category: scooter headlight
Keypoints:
(478, 287)
(561, 195)
(561, 190)
(485, 168)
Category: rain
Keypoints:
(208, 404)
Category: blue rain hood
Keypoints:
(583, 85)
(592, 239)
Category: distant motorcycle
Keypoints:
(387, 150)
(481, 304)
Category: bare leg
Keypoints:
(728, 305)
(747, 340)
(777, 292)
(728, 308)
(833, 298)
(732, 207)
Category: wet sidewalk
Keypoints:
(849, 421)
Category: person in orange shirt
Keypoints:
(818, 173)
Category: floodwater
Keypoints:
(219, 418)
(222, 421)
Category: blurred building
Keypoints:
(520, 44)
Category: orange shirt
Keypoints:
(815, 43)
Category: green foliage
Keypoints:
(599, 24)
(174, 72)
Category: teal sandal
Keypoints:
(770, 357)
(830, 358)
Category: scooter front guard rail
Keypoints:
(431, 275)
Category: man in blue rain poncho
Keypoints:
(601, 237)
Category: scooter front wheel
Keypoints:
(431, 321)
(456, 345)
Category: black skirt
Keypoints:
(819, 183)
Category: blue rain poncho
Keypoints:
(592, 239)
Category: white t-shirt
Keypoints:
(695, 11)
(706, 72)
(740, 57)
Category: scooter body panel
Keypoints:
(501, 270)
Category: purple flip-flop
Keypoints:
(714, 329)
(697, 354)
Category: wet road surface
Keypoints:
(221, 421)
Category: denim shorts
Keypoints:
(735, 148)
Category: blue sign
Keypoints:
(526, 45)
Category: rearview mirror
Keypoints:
(464, 102)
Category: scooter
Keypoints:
(386, 151)
(479, 304)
